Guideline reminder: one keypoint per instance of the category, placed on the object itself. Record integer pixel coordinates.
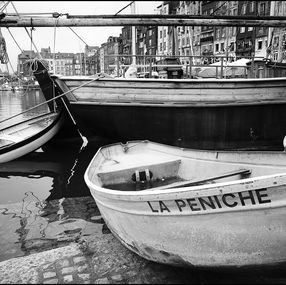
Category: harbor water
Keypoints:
(45, 204)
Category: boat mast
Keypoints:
(10, 20)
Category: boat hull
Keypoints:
(248, 238)
(238, 222)
(209, 114)
(236, 127)
(29, 143)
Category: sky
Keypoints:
(62, 39)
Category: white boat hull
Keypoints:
(230, 223)
(30, 139)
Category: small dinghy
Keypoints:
(192, 207)
(22, 138)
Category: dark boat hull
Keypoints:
(205, 114)
(230, 127)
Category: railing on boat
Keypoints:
(258, 67)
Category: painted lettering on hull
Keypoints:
(228, 200)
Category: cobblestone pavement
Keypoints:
(87, 253)
(106, 261)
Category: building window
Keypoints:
(262, 9)
(243, 10)
(222, 46)
(252, 5)
(218, 33)
(223, 32)
(216, 47)
(259, 45)
(161, 34)
(164, 45)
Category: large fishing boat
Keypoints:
(196, 113)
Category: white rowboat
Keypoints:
(193, 207)
(22, 138)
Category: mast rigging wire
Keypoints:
(28, 32)
(14, 40)
(78, 36)
(124, 8)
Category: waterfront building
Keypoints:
(277, 36)
(207, 33)
(23, 57)
(225, 37)
(251, 40)
(167, 36)
(109, 52)
(92, 59)
(126, 45)
(189, 36)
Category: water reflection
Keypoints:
(12, 103)
(45, 202)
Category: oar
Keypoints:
(197, 182)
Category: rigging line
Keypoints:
(14, 39)
(28, 32)
(10, 64)
(54, 61)
(78, 36)
(124, 8)
(50, 100)
(218, 8)
(5, 5)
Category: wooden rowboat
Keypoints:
(22, 138)
(193, 207)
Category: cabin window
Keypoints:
(242, 29)
(250, 29)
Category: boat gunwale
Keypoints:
(173, 80)
(152, 193)
(58, 119)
